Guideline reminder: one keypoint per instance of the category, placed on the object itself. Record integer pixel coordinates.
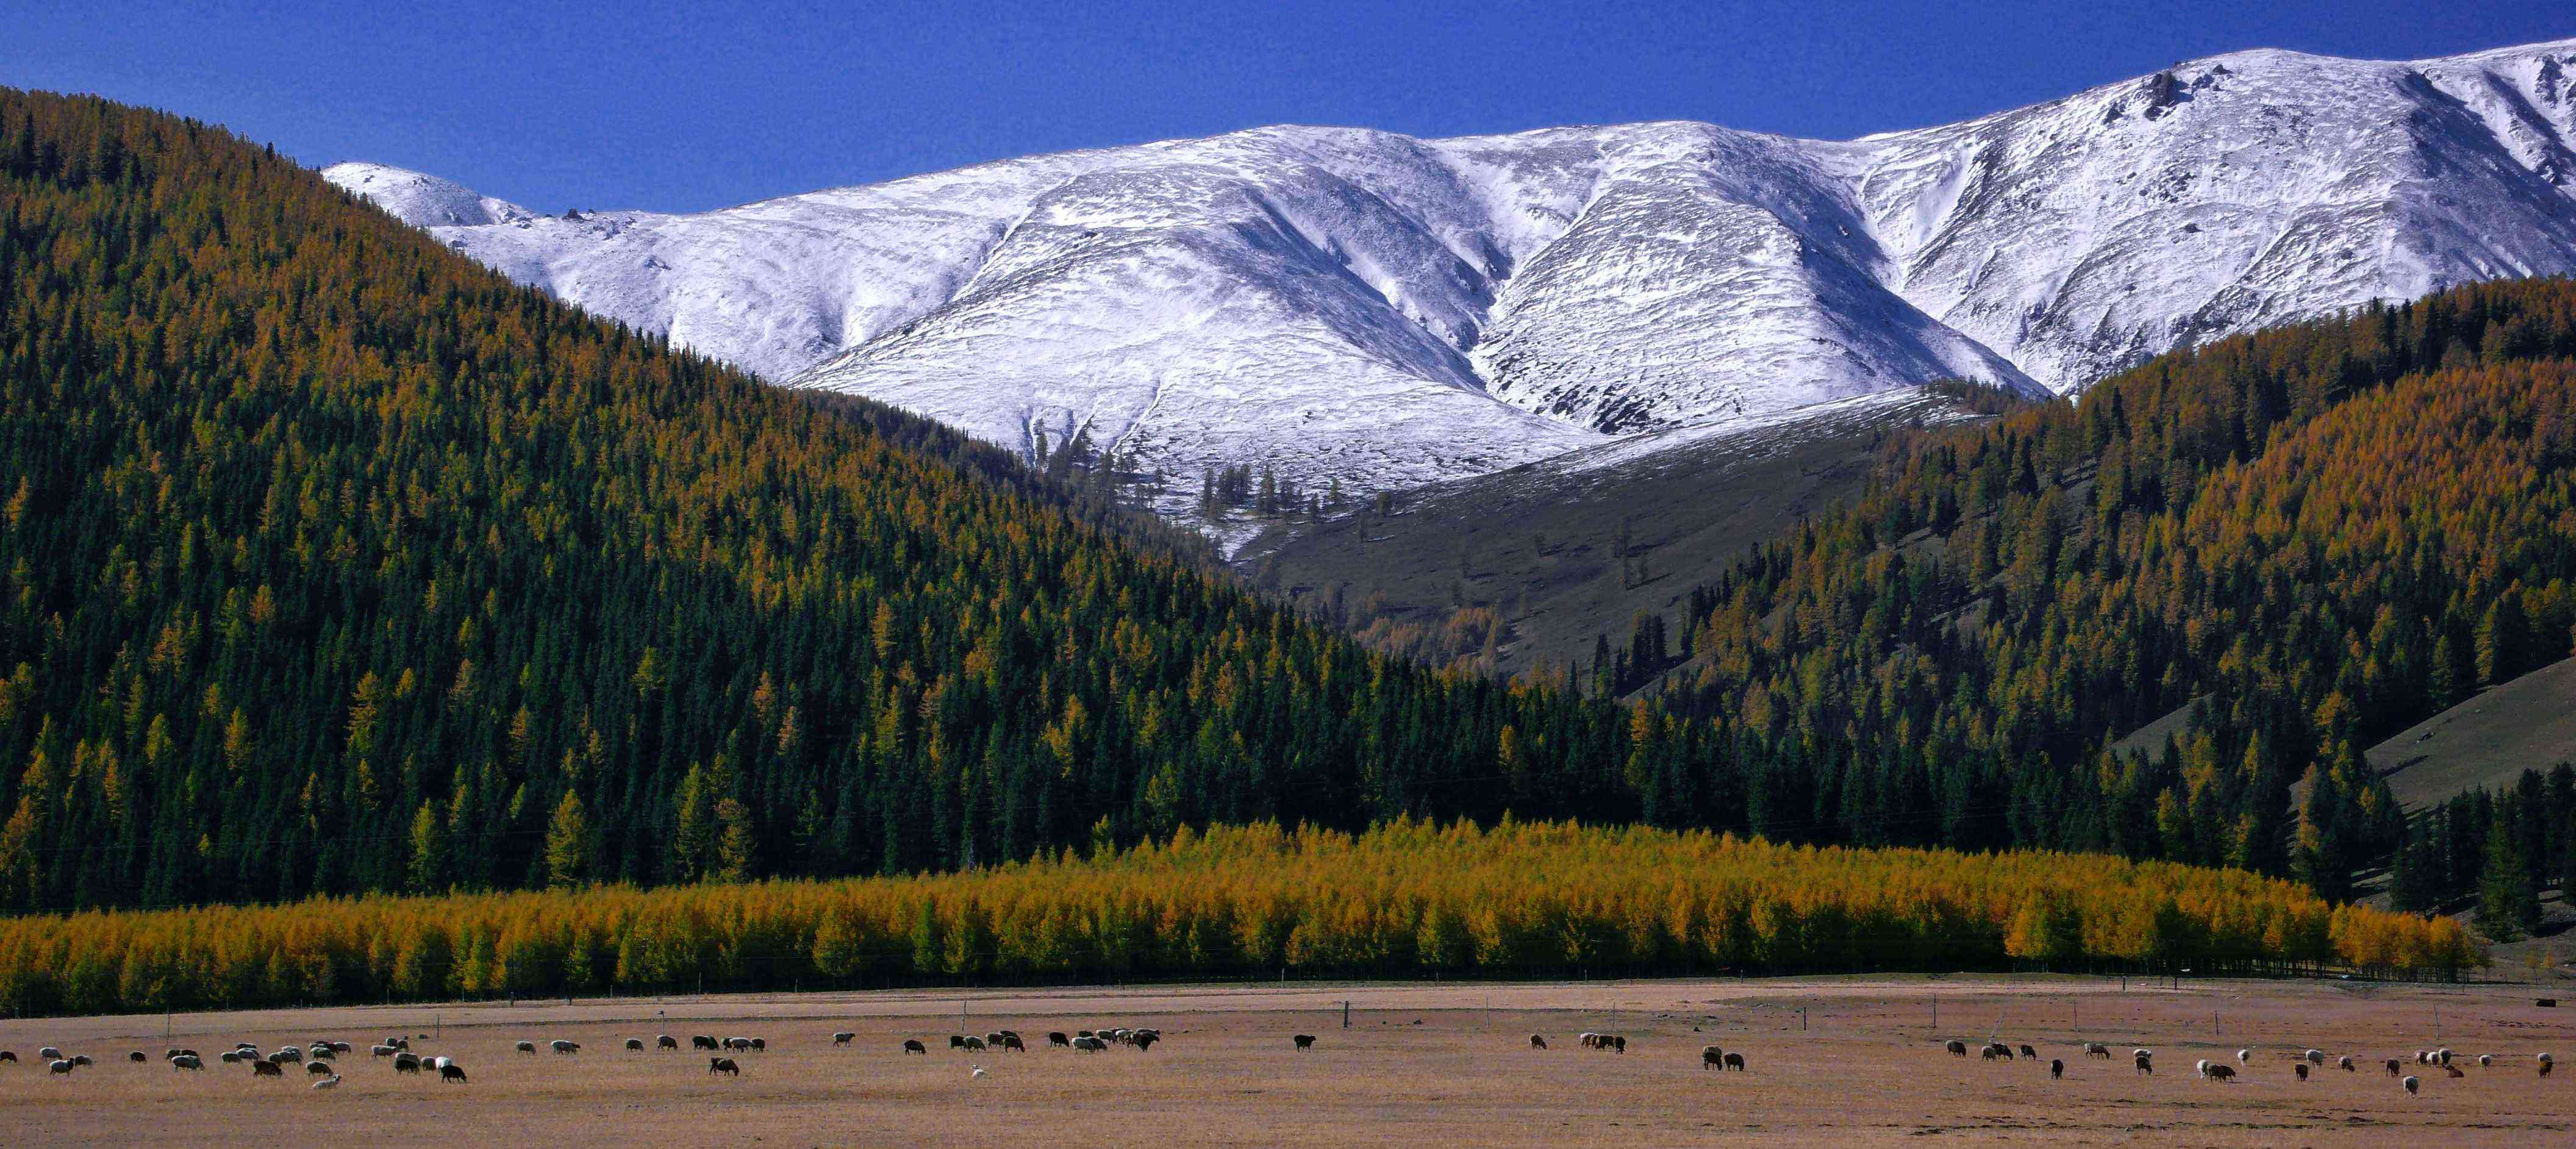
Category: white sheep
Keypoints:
(2411, 1084)
(979, 1072)
(2244, 1057)
(2315, 1056)
(331, 1082)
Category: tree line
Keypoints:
(1407, 898)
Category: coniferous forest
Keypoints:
(337, 565)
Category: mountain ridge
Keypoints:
(1356, 306)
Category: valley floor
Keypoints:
(1832, 1061)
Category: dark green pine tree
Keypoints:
(2508, 902)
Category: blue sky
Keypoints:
(674, 106)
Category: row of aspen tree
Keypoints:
(1408, 898)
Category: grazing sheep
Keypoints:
(290, 1053)
(1956, 1047)
(2444, 1053)
(527, 1047)
(2027, 1051)
(1986, 1052)
(439, 1062)
(406, 1062)
(560, 1046)
(231, 1057)
(2410, 1083)
(665, 1041)
(738, 1044)
(759, 1044)
(2003, 1052)
(2344, 1063)
(958, 1040)
(636, 1044)
(912, 1046)
(2245, 1057)
(1710, 1056)
(2392, 1067)
(331, 1082)
(2056, 1068)
(701, 1041)
(2223, 1072)
(187, 1061)
(2201, 1066)
(1589, 1039)
(382, 1050)
(979, 1072)
(8, 1056)
(843, 1037)
(1058, 1037)
(2486, 1060)
(723, 1065)
(339, 1047)
(2302, 1069)
(974, 1044)
(266, 1069)
(321, 1052)
(1095, 1045)
(64, 1068)
(82, 1059)
(50, 1053)
(2315, 1056)
(137, 1057)
(451, 1072)
(317, 1068)
(2453, 1071)
(2097, 1049)
(993, 1040)
(1141, 1041)
(1305, 1041)
(1735, 1061)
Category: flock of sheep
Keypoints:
(2222, 1072)
(319, 1059)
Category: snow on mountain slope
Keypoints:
(1386, 311)
(424, 201)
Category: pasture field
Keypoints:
(1838, 1061)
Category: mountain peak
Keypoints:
(1360, 306)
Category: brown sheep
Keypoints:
(1537, 1042)
(1060, 1037)
(1735, 1061)
(1957, 1048)
(843, 1037)
(2302, 1069)
(2392, 1067)
(1304, 1040)
(2146, 1064)
(723, 1065)
(2056, 1068)
(2027, 1051)
(911, 1045)
(452, 1073)
(1710, 1056)
(666, 1041)
(264, 1068)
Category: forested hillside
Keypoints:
(336, 564)
(2328, 532)
(1408, 898)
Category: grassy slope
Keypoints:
(1690, 508)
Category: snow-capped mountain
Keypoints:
(1389, 311)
